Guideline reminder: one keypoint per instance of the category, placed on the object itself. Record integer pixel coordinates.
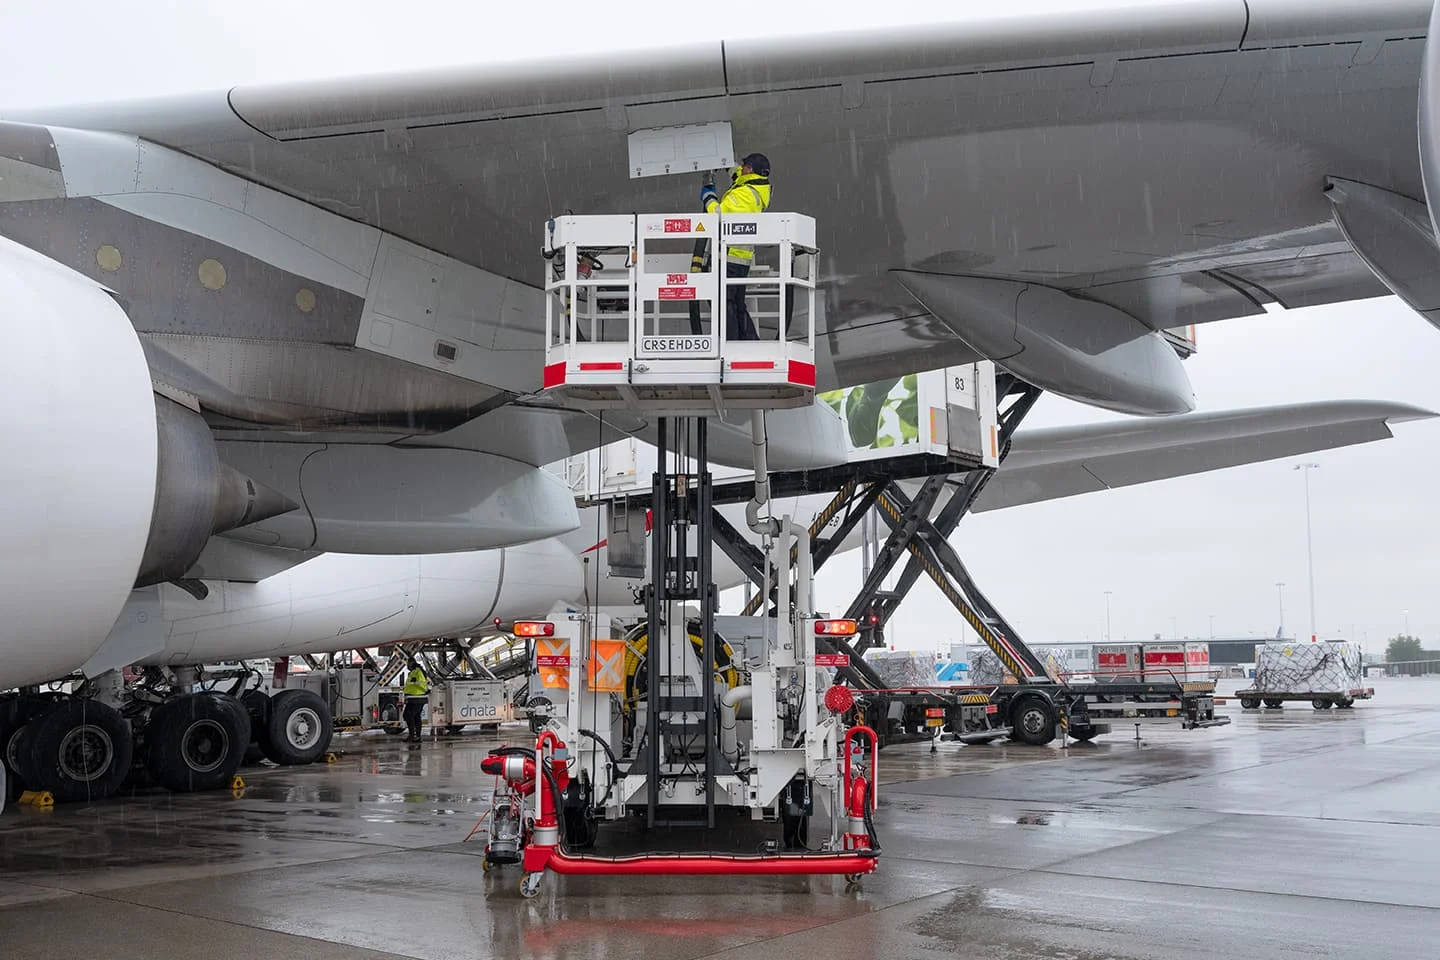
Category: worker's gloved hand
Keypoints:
(707, 194)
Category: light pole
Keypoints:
(1309, 543)
(1280, 587)
(1107, 616)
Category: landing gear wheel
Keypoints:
(79, 750)
(1250, 703)
(15, 713)
(1033, 721)
(1084, 734)
(1320, 703)
(196, 742)
(530, 884)
(1273, 703)
(299, 728)
(237, 710)
(257, 706)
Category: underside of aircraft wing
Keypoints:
(1050, 190)
(1054, 462)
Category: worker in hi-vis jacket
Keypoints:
(749, 193)
(417, 693)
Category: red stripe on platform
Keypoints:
(616, 365)
(802, 373)
(753, 365)
(554, 374)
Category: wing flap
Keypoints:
(1056, 462)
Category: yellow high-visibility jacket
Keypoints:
(415, 684)
(749, 193)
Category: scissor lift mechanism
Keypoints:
(1039, 703)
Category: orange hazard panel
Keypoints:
(607, 666)
(552, 662)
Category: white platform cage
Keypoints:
(636, 312)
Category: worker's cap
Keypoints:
(757, 162)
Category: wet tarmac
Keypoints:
(1290, 834)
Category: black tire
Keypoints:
(257, 705)
(1250, 703)
(394, 731)
(196, 742)
(1084, 733)
(1033, 721)
(1273, 703)
(15, 713)
(253, 755)
(239, 711)
(1345, 704)
(299, 728)
(1320, 703)
(79, 750)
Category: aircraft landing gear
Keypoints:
(196, 742)
(77, 750)
(297, 729)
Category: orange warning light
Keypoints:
(534, 628)
(836, 628)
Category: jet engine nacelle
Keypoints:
(106, 486)
(341, 602)
(1429, 117)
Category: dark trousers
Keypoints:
(414, 706)
(738, 325)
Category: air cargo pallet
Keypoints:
(1319, 699)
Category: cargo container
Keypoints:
(1118, 662)
(1187, 662)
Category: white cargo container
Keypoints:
(458, 703)
(1185, 662)
(1119, 663)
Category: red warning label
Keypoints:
(677, 293)
(832, 660)
(677, 279)
(546, 660)
(678, 225)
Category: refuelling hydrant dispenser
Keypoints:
(691, 717)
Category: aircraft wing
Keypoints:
(1048, 189)
(1049, 463)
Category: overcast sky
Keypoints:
(1173, 553)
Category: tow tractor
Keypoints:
(668, 724)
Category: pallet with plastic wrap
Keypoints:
(1321, 667)
(903, 668)
(987, 670)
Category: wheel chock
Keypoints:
(39, 799)
(332, 758)
(237, 782)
